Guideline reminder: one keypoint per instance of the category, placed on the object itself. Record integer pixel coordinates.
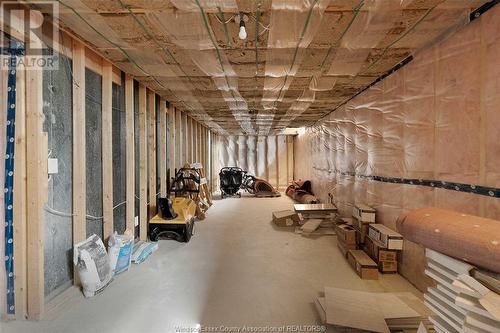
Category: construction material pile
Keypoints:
(371, 311)
(462, 301)
(308, 219)
(369, 247)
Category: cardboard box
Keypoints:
(366, 268)
(286, 218)
(362, 230)
(344, 248)
(388, 237)
(378, 252)
(388, 266)
(346, 233)
(364, 213)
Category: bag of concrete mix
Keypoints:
(92, 264)
(120, 249)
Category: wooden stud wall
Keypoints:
(79, 178)
(143, 164)
(130, 152)
(179, 160)
(172, 144)
(19, 209)
(107, 148)
(151, 155)
(36, 187)
(187, 141)
(190, 139)
(163, 147)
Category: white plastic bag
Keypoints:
(92, 264)
(120, 252)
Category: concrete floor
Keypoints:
(237, 270)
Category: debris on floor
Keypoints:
(308, 219)
(460, 302)
(372, 311)
(301, 191)
(286, 218)
(93, 266)
(120, 251)
(142, 250)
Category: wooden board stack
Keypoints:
(460, 302)
(357, 311)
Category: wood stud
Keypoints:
(107, 148)
(130, 153)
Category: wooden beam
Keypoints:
(179, 159)
(152, 153)
(163, 147)
(195, 141)
(143, 164)
(190, 139)
(107, 148)
(130, 153)
(36, 186)
(185, 138)
(198, 142)
(79, 177)
(171, 143)
(19, 209)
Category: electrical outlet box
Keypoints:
(53, 166)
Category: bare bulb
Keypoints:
(243, 32)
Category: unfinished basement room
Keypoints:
(186, 166)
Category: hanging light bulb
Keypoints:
(243, 31)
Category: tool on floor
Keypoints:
(178, 225)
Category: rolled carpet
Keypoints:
(473, 239)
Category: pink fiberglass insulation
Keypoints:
(437, 119)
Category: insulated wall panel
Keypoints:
(93, 155)
(427, 135)
(58, 226)
(265, 157)
(119, 155)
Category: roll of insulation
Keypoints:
(473, 239)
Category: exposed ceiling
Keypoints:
(301, 58)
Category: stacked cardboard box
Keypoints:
(346, 238)
(362, 215)
(382, 245)
(362, 264)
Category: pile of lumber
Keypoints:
(371, 311)
(465, 299)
